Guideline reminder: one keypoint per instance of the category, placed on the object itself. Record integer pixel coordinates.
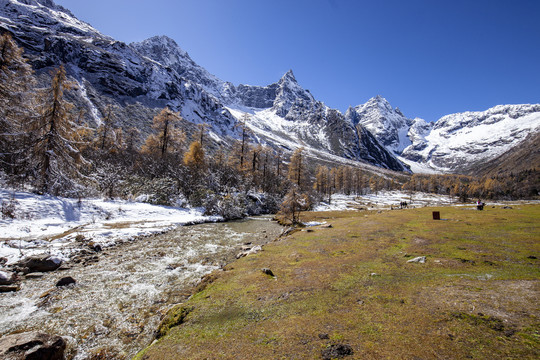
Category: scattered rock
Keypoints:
(32, 346)
(7, 278)
(46, 293)
(39, 264)
(374, 274)
(65, 281)
(324, 336)
(95, 246)
(507, 207)
(253, 250)
(309, 230)
(268, 272)
(418, 260)
(9, 288)
(532, 257)
(35, 275)
(287, 231)
(337, 351)
(3, 260)
(327, 226)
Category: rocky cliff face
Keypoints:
(387, 124)
(141, 78)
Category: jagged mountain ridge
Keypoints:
(143, 77)
(456, 143)
(460, 142)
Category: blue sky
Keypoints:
(427, 57)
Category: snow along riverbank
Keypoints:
(56, 225)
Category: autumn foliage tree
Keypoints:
(293, 204)
(297, 172)
(55, 139)
(168, 138)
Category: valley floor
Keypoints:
(360, 289)
(62, 226)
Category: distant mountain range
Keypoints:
(141, 78)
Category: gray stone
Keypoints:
(268, 272)
(418, 260)
(35, 275)
(40, 264)
(32, 346)
(337, 351)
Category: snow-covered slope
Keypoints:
(456, 142)
(459, 141)
(387, 124)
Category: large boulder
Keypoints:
(32, 346)
(40, 264)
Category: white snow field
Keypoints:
(51, 224)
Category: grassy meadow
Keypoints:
(477, 296)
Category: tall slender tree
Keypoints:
(297, 168)
(56, 139)
(16, 103)
(168, 137)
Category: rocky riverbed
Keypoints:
(110, 302)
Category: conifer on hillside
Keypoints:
(16, 104)
(168, 137)
(297, 172)
(56, 138)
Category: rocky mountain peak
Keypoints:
(379, 103)
(162, 49)
(288, 77)
(389, 125)
(290, 93)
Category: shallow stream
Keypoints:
(122, 293)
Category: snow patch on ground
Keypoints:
(382, 200)
(55, 225)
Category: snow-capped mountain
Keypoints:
(455, 143)
(387, 124)
(458, 142)
(141, 78)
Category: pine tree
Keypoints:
(293, 204)
(202, 130)
(168, 138)
(56, 139)
(106, 134)
(16, 103)
(194, 158)
(244, 134)
(297, 168)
